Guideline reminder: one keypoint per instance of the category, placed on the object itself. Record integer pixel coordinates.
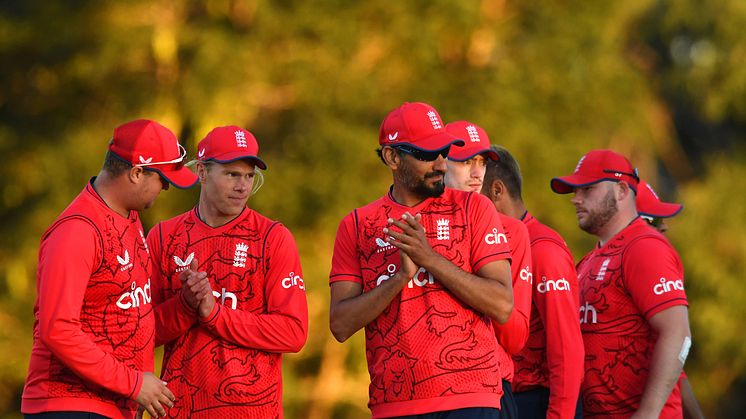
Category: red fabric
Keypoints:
(229, 364)
(513, 334)
(622, 284)
(93, 313)
(417, 124)
(427, 348)
(553, 356)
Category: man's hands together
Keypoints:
(409, 237)
(197, 289)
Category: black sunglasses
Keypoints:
(423, 155)
(633, 175)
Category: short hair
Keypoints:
(379, 151)
(115, 165)
(505, 169)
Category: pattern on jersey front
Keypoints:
(125, 332)
(426, 340)
(614, 332)
(211, 376)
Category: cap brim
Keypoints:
(437, 142)
(231, 157)
(464, 154)
(182, 178)
(567, 184)
(662, 210)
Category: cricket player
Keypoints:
(93, 332)
(243, 303)
(633, 308)
(424, 269)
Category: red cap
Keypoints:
(146, 143)
(597, 166)
(478, 142)
(228, 144)
(649, 205)
(417, 125)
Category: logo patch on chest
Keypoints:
(239, 257)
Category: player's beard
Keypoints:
(596, 219)
(419, 186)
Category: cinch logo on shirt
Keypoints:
(584, 310)
(495, 237)
(552, 284)
(668, 286)
(421, 277)
(182, 265)
(135, 298)
(391, 269)
(526, 275)
(293, 280)
(223, 295)
(124, 261)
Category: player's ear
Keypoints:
(136, 174)
(623, 190)
(201, 170)
(391, 157)
(497, 190)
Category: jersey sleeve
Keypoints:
(653, 275)
(556, 296)
(488, 239)
(67, 258)
(513, 334)
(345, 262)
(173, 315)
(284, 325)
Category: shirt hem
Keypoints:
(30, 406)
(436, 404)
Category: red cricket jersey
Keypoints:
(624, 283)
(513, 334)
(553, 356)
(228, 365)
(93, 329)
(427, 351)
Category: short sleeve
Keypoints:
(345, 263)
(654, 276)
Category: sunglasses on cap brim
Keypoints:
(177, 162)
(423, 155)
(633, 175)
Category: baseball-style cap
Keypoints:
(146, 143)
(228, 144)
(477, 141)
(597, 166)
(650, 205)
(417, 125)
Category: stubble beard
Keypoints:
(596, 220)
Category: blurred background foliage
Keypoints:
(661, 81)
